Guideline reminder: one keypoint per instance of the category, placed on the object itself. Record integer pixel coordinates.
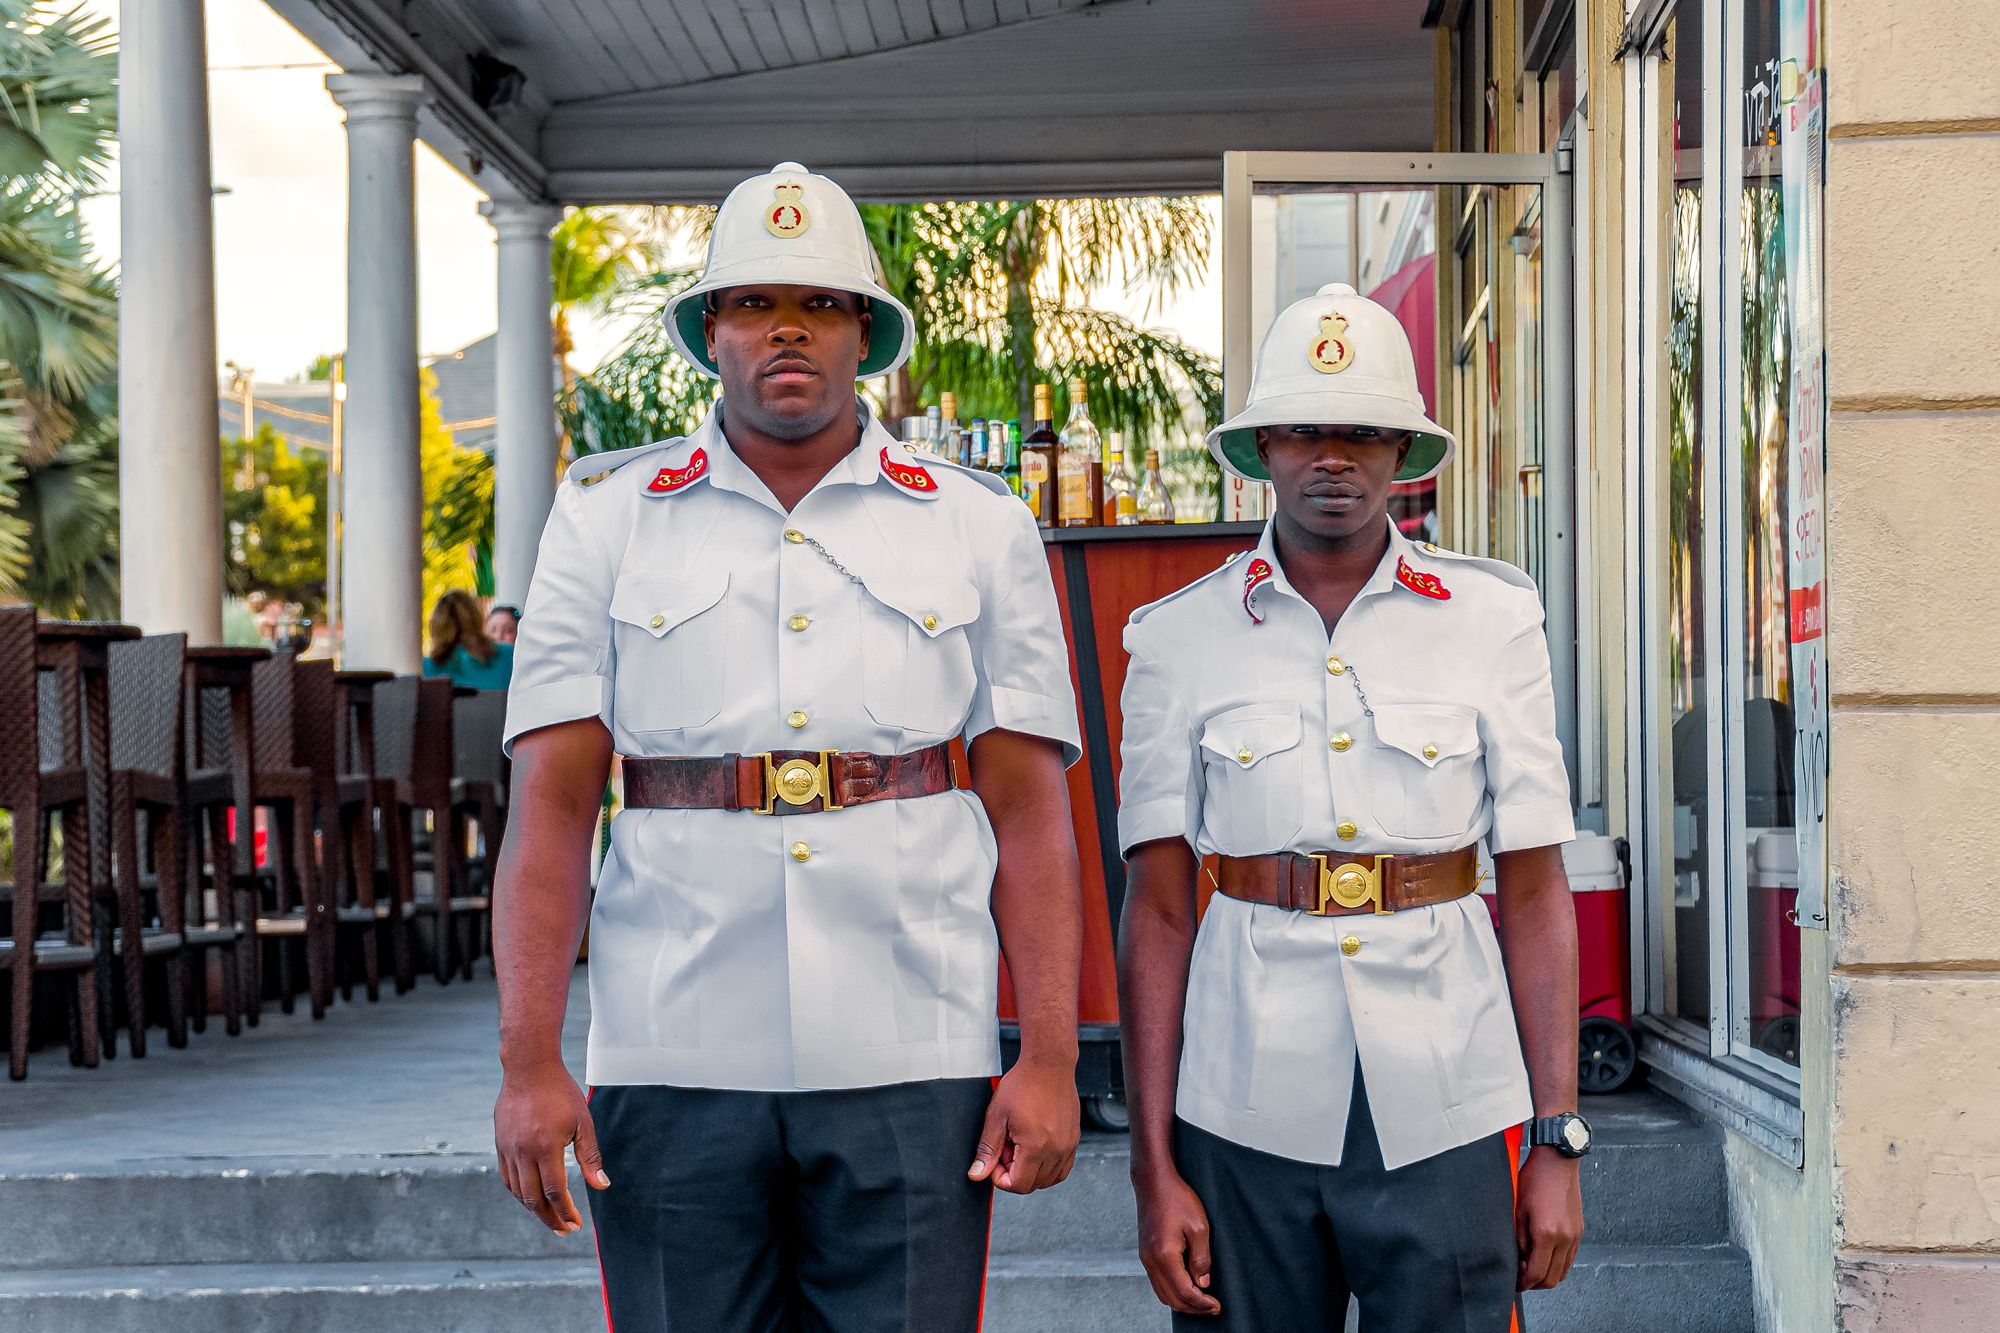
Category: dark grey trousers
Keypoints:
(845, 1211)
(1426, 1248)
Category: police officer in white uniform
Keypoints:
(1322, 1074)
(780, 622)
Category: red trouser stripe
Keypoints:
(1514, 1168)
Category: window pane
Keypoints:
(1687, 941)
(1772, 940)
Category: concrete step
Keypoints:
(472, 1296)
(1648, 1289)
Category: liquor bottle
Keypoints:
(975, 444)
(933, 428)
(1156, 502)
(1010, 466)
(1121, 493)
(951, 437)
(1079, 466)
(1038, 461)
(995, 460)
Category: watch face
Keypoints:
(1575, 1134)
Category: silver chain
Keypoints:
(1359, 692)
(827, 556)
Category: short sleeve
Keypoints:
(1019, 653)
(1159, 781)
(562, 654)
(1524, 761)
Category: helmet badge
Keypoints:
(788, 217)
(1331, 352)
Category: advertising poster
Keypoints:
(1802, 150)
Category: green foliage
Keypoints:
(274, 519)
(458, 503)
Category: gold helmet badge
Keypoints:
(788, 216)
(1331, 351)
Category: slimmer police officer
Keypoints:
(780, 622)
(1322, 1074)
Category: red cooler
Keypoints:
(1774, 943)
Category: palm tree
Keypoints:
(58, 309)
(593, 252)
(1000, 295)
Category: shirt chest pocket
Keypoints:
(916, 652)
(1254, 776)
(672, 639)
(1432, 769)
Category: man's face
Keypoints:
(501, 626)
(1332, 481)
(787, 355)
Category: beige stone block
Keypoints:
(1913, 267)
(1916, 1145)
(1909, 605)
(1903, 1293)
(1915, 846)
(1898, 61)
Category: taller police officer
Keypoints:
(1320, 1080)
(780, 622)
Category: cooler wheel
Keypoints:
(1605, 1056)
(1107, 1113)
(1780, 1037)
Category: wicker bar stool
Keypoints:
(479, 800)
(219, 733)
(291, 906)
(374, 805)
(35, 784)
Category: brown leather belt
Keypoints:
(1344, 884)
(785, 782)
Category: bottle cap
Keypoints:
(1077, 388)
(948, 404)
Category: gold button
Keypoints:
(794, 536)
(801, 852)
(1243, 756)
(1350, 946)
(1341, 741)
(797, 718)
(656, 622)
(1335, 667)
(1431, 547)
(930, 622)
(1430, 752)
(798, 623)
(1348, 828)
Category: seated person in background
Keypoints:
(461, 648)
(503, 622)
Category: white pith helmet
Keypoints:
(791, 227)
(1334, 359)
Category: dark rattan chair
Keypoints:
(291, 907)
(389, 743)
(479, 798)
(217, 738)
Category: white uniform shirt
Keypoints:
(1422, 725)
(676, 600)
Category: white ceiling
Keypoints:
(675, 100)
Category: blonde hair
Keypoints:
(457, 622)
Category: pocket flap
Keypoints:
(657, 604)
(1428, 733)
(1248, 735)
(932, 605)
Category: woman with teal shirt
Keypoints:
(460, 647)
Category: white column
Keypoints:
(382, 486)
(169, 465)
(524, 454)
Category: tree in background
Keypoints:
(458, 503)
(58, 313)
(274, 520)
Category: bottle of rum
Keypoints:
(1038, 461)
(975, 443)
(933, 428)
(1079, 466)
(1010, 464)
(1156, 502)
(951, 436)
(1121, 492)
(993, 449)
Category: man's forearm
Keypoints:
(1538, 942)
(1156, 944)
(542, 888)
(1037, 888)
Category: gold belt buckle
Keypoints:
(797, 781)
(1351, 884)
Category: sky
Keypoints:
(279, 150)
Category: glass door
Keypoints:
(1472, 253)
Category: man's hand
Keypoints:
(1173, 1244)
(1032, 1127)
(1548, 1218)
(540, 1113)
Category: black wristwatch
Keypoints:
(1568, 1134)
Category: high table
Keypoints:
(1102, 575)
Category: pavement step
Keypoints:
(1649, 1289)
(514, 1296)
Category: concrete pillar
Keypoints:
(524, 454)
(381, 559)
(169, 467)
